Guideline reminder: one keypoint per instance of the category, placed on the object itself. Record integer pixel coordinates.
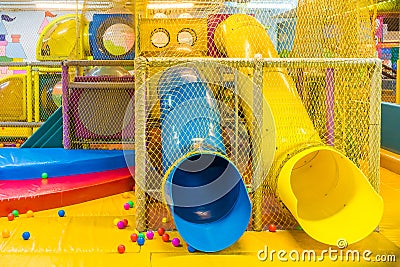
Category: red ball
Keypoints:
(161, 231)
(272, 228)
(125, 221)
(165, 237)
(134, 237)
(10, 216)
(121, 249)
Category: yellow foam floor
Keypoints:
(86, 236)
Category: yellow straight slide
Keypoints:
(328, 195)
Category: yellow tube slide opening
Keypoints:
(328, 195)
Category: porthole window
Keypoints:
(160, 38)
(187, 36)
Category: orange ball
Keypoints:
(6, 233)
(272, 228)
(29, 214)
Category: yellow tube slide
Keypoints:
(328, 195)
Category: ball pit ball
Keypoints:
(131, 204)
(1, 145)
(127, 206)
(5, 233)
(272, 228)
(125, 221)
(29, 214)
(10, 216)
(116, 220)
(161, 231)
(16, 213)
(140, 241)
(45, 175)
(141, 235)
(125, 195)
(121, 225)
(17, 145)
(165, 237)
(61, 213)
(191, 249)
(26, 235)
(164, 220)
(121, 249)
(150, 235)
(175, 242)
(134, 237)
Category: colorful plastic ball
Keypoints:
(141, 235)
(121, 225)
(140, 241)
(116, 220)
(17, 145)
(125, 195)
(61, 213)
(10, 216)
(26, 235)
(127, 206)
(131, 204)
(150, 234)
(175, 242)
(191, 249)
(45, 175)
(165, 237)
(164, 220)
(125, 221)
(1, 145)
(121, 249)
(29, 214)
(134, 237)
(161, 231)
(272, 228)
(16, 213)
(5, 233)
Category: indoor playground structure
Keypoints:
(218, 119)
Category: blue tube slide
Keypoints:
(203, 188)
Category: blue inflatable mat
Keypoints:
(21, 164)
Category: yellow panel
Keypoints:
(158, 29)
(13, 98)
(15, 131)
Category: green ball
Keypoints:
(130, 202)
(141, 235)
(16, 213)
(45, 175)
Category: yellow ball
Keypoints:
(29, 214)
(116, 220)
(164, 220)
(125, 195)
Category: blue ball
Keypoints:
(191, 249)
(140, 241)
(61, 213)
(26, 235)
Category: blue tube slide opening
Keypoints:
(203, 188)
